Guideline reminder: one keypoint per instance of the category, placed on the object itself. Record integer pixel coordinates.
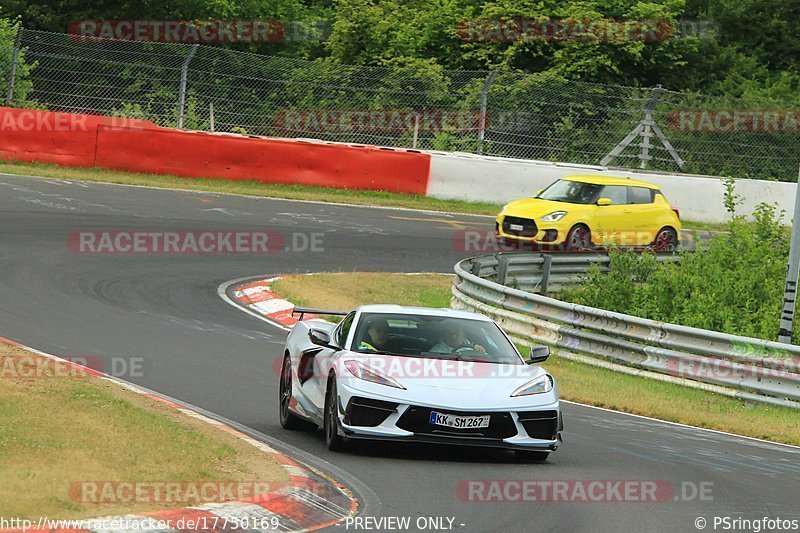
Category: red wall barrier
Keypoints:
(48, 137)
(195, 154)
(140, 146)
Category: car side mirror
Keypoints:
(538, 193)
(604, 201)
(320, 338)
(539, 354)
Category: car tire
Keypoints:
(666, 240)
(333, 440)
(579, 239)
(288, 419)
(531, 456)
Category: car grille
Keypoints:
(417, 420)
(367, 412)
(529, 228)
(540, 424)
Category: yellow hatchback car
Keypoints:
(577, 213)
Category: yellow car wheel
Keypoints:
(579, 239)
(666, 240)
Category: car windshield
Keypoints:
(572, 192)
(438, 337)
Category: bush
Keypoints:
(733, 283)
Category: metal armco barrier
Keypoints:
(540, 273)
(757, 368)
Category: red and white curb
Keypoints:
(308, 502)
(257, 297)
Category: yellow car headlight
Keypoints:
(555, 216)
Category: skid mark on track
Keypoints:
(210, 327)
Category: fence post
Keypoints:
(546, 266)
(211, 116)
(646, 127)
(14, 60)
(182, 89)
(416, 130)
(792, 271)
(484, 103)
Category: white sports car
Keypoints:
(397, 373)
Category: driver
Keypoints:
(453, 340)
(377, 336)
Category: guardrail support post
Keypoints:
(12, 77)
(182, 88)
(548, 263)
(476, 269)
(502, 269)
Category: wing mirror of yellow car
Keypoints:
(538, 193)
(604, 201)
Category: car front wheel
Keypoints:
(579, 239)
(333, 440)
(288, 419)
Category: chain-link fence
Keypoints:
(499, 113)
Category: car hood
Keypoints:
(418, 373)
(534, 207)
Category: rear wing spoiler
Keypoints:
(303, 310)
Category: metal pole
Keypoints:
(790, 292)
(416, 130)
(484, 104)
(211, 116)
(182, 89)
(14, 60)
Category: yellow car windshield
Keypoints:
(572, 192)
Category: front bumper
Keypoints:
(520, 428)
(535, 232)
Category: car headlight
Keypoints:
(503, 210)
(361, 371)
(539, 385)
(555, 216)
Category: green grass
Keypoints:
(577, 381)
(294, 192)
(59, 431)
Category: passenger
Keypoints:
(453, 339)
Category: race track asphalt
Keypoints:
(162, 311)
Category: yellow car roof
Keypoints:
(611, 180)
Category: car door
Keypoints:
(315, 387)
(613, 221)
(645, 214)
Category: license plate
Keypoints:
(516, 227)
(459, 422)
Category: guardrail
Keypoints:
(753, 369)
(536, 272)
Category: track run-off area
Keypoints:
(157, 320)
